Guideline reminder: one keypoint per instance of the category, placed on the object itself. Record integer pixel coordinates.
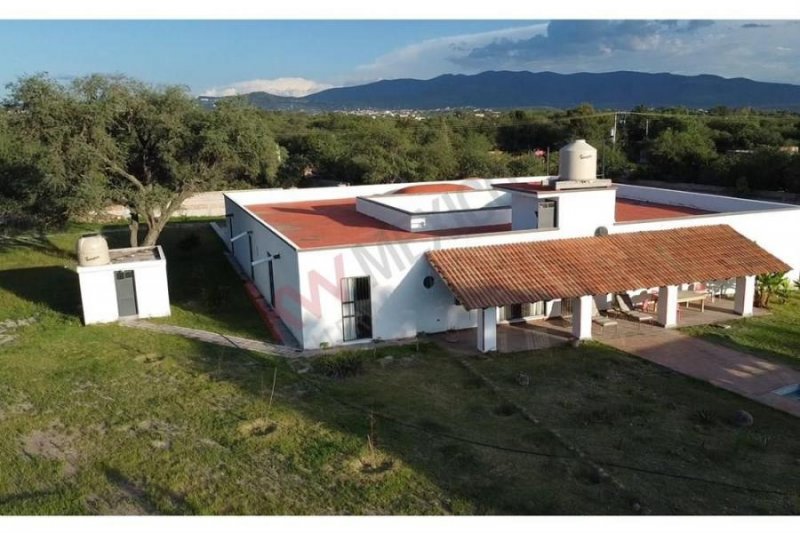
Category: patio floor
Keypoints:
(540, 334)
(721, 310)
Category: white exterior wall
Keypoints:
(447, 201)
(774, 230)
(285, 270)
(460, 219)
(434, 212)
(99, 290)
(152, 290)
(581, 212)
(393, 217)
(524, 212)
(696, 200)
(98, 296)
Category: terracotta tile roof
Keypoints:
(488, 276)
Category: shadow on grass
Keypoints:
(35, 242)
(487, 481)
(54, 287)
(147, 501)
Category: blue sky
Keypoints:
(297, 57)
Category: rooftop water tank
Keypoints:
(578, 161)
(93, 250)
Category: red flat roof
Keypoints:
(633, 210)
(323, 223)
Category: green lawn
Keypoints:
(776, 335)
(205, 293)
(107, 419)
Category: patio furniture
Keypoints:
(693, 296)
(625, 307)
(600, 320)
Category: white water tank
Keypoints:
(578, 161)
(93, 250)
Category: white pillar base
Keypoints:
(745, 293)
(487, 329)
(668, 306)
(582, 317)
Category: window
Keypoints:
(356, 308)
(428, 282)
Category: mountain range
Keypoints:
(505, 89)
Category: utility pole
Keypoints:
(614, 131)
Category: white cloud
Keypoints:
(277, 86)
(432, 57)
(760, 50)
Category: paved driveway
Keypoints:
(738, 372)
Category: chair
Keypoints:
(599, 319)
(625, 306)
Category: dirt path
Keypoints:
(217, 338)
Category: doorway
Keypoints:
(126, 293)
(356, 308)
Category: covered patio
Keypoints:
(539, 334)
(586, 270)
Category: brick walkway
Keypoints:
(741, 373)
(217, 338)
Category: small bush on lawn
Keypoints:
(339, 365)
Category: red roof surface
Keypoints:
(489, 276)
(632, 210)
(429, 188)
(323, 223)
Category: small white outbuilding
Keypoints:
(121, 283)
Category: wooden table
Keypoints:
(693, 296)
(686, 297)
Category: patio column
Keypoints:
(745, 292)
(668, 306)
(487, 329)
(582, 317)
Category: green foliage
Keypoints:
(771, 285)
(67, 150)
(682, 153)
(110, 138)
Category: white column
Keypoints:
(582, 317)
(668, 306)
(487, 329)
(745, 292)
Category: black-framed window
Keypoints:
(356, 308)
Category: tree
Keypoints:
(683, 154)
(116, 139)
(769, 285)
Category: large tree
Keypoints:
(149, 148)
